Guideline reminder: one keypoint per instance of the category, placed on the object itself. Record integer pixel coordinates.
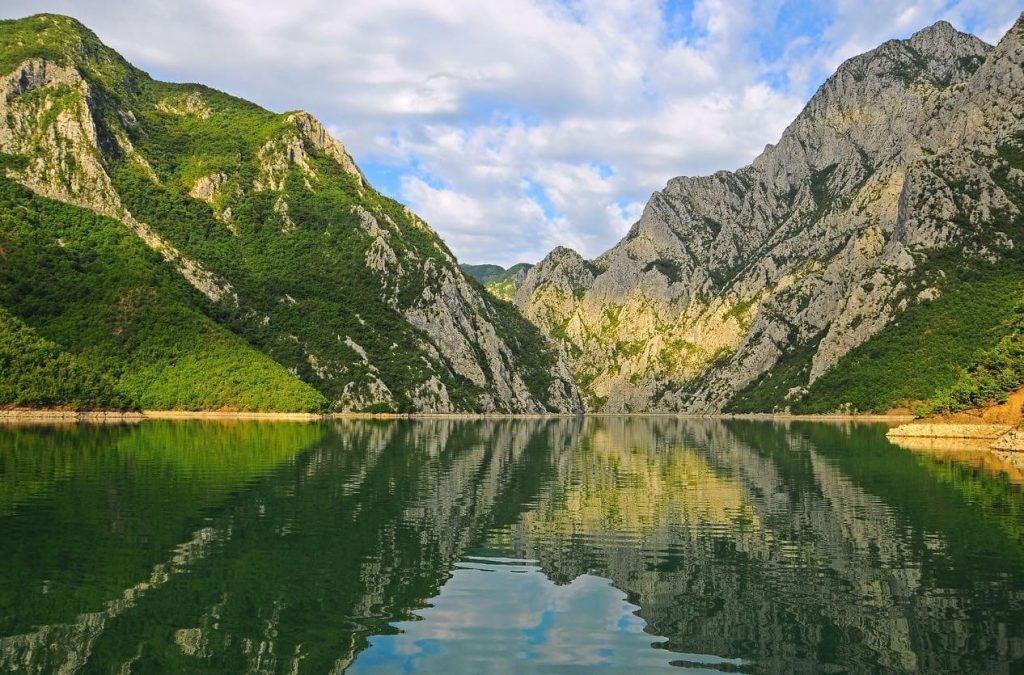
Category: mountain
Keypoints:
(500, 282)
(872, 258)
(176, 247)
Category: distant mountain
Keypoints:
(873, 258)
(500, 282)
(483, 273)
(172, 246)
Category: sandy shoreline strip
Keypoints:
(62, 415)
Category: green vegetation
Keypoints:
(65, 41)
(741, 312)
(46, 36)
(483, 273)
(922, 353)
(34, 372)
(311, 282)
(498, 281)
(314, 327)
(88, 286)
(991, 376)
(667, 268)
(820, 190)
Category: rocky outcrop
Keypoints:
(289, 148)
(458, 322)
(811, 249)
(312, 131)
(190, 104)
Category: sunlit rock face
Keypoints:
(811, 249)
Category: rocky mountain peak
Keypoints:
(563, 271)
(562, 254)
(317, 134)
(941, 38)
(809, 251)
(1017, 30)
(991, 106)
(938, 55)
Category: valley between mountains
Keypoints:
(169, 246)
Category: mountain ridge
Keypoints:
(315, 277)
(499, 282)
(807, 252)
(173, 246)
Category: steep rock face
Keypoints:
(268, 216)
(809, 251)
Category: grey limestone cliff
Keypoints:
(814, 247)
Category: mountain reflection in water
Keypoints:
(629, 542)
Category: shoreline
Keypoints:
(905, 430)
(64, 415)
(823, 417)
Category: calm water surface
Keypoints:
(639, 544)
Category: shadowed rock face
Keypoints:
(815, 246)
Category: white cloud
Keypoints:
(519, 125)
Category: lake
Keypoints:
(632, 543)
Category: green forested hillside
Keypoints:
(92, 288)
(207, 253)
(36, 372)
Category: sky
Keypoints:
(514, 126)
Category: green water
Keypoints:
(638, 544)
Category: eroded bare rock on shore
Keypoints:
(996, 437)
(1011, 441)
(939, 430)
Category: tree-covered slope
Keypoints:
(36, 372)
(130, 331)
(288, 251)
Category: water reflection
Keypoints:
(502, 606)
(459, 545)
